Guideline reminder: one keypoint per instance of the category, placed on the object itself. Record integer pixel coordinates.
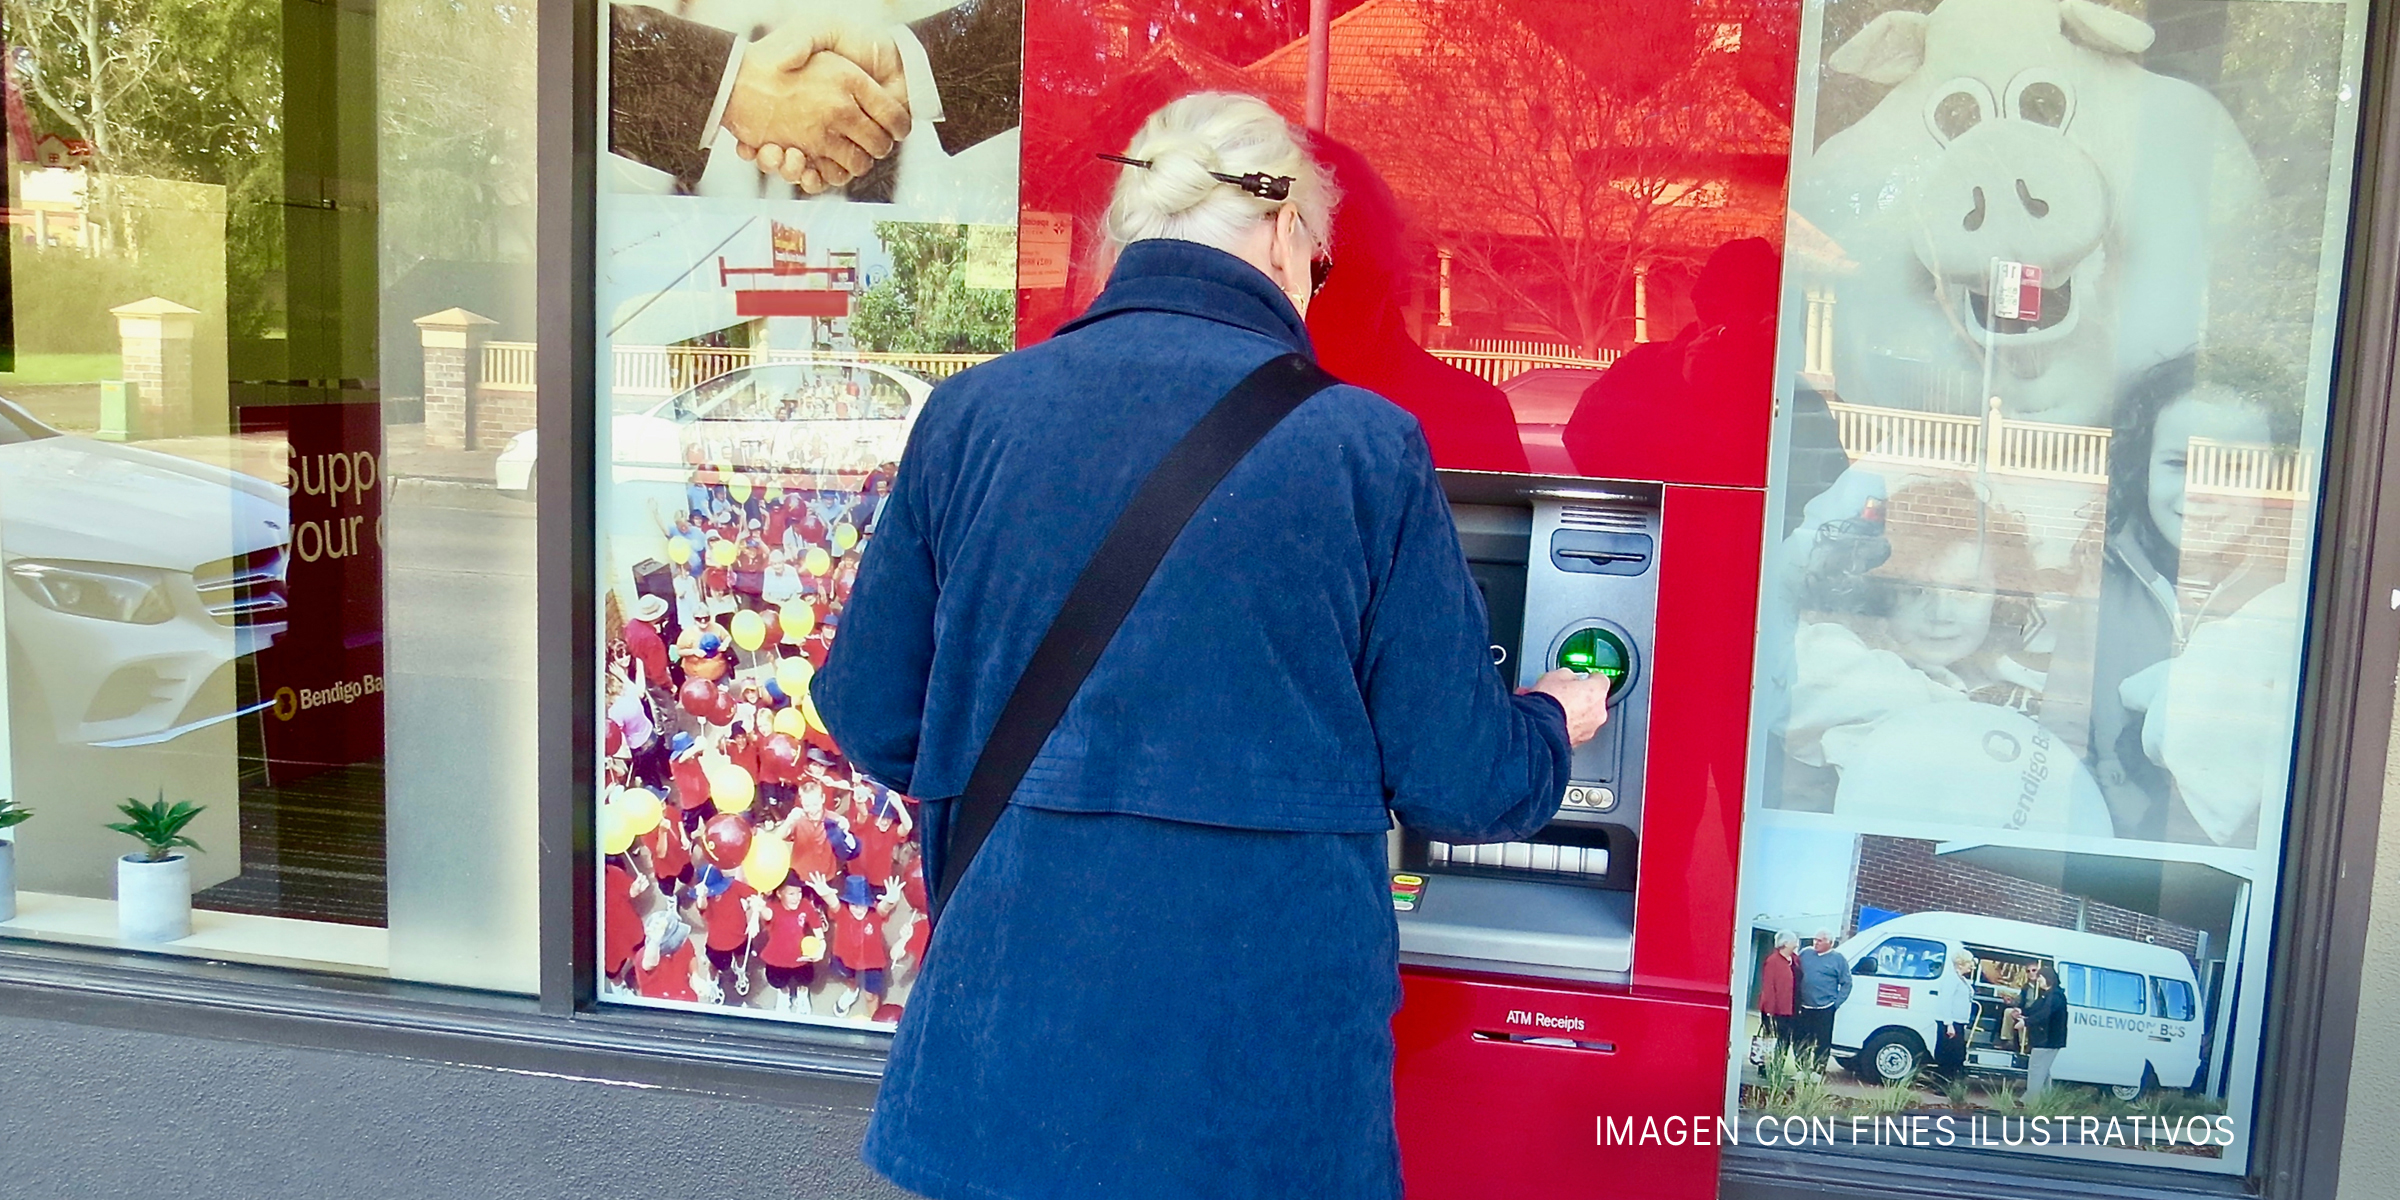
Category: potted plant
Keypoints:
(154, 887)
(12, 814)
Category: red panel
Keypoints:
(1699, 725)
(1559, 244)
(1482, 1118)
(792, 302)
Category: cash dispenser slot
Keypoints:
(1568, 572)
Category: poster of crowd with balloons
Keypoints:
(779, 289)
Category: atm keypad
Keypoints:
(1524, 856)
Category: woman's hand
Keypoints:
(1585, 697)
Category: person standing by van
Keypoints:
(1956, 1017)
(2045, 1015)
(1824, 982)
(1776, 986)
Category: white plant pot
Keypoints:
(154, 899)
(8, 880)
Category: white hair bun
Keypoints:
(1226, 133)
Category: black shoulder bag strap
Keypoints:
(1106, 591)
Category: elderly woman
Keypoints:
(1171, 970)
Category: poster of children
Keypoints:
(2053, 308)
(805, 224)
(2052, 381)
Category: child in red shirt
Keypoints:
(880, 840)
(666, 968)
(860, 955)
(732, 917)
(795, 943)
(621, 930)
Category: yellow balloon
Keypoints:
(812, 947)
(720, 553)
(774, 492)
(679, 551)
(816, 561)
(808, 705)
(790, 722)
(625, 816)
(643, 807)
(799, 618)
(738, 487)
(793, 674)
(845, 535)
(730, 788)
(749, 631)
(769, 860)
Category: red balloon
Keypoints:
(691, 785)
(698, 696)
(726, 840)
(720, 710)
(614, 743)
(779, 759)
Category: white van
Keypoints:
(2133, 1009)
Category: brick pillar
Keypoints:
(155, 337)
(453, 342)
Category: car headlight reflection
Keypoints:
(109, 593)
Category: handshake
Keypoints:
(818, 102)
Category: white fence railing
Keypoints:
(508, 366)
(1500, 366)
(2077, 453)
(2240, 469)
(666, 370)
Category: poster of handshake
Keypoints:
(807, 219)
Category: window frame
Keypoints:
(2353, 653)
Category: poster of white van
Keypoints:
(1891, 977)
(2132, 1022)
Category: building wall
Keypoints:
(2370, 1152)
(118, 1113)
(1904, 875)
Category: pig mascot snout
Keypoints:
(2019, 192)
(2023, 131)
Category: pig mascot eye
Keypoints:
(2042, 98)
(1958, 106)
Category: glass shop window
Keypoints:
(2171, 998)
(1909, 958)
(267, 614)
(2054, 356)
(2100, 987)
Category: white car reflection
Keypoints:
(815, 415)
(135, 581)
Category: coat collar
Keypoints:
(1167, 275)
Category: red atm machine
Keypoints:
(1560, 248)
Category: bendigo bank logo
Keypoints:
(289, 702)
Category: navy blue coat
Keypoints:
(1172, 969)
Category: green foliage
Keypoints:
(2176, 1104)
(924, 305)
(158, 826)
(188, 90)
(13, 814)
(1791, 1088)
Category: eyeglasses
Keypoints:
(1320, 267)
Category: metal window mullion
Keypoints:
(566, 628)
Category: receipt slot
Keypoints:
(1569, 573)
